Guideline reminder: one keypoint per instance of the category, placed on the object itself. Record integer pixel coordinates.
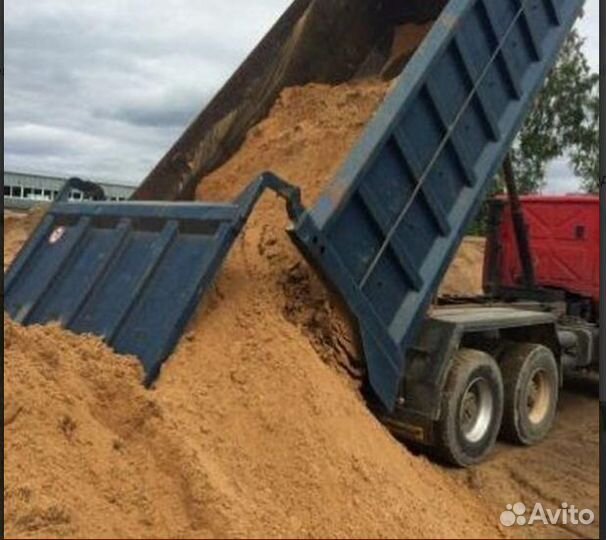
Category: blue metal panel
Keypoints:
(131, 273)
(385, 231)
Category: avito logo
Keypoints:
(516, 514)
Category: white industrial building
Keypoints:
(24, 190)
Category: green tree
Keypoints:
(563, 122)
(585, 157)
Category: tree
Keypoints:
(586, 157)
(564, 121)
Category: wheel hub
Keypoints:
(538, 396)
(475, 414)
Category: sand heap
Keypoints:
(305, 138)
(250, 431)
(464, 276)
(83, 455)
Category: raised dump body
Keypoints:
(321, 41)
(387, 227)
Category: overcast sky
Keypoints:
(102, 88)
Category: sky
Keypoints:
(103, 88)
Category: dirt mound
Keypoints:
(250, 431)
(464, 277)
(306, 136)
(304, 140)
(74, 419)
(248, 434)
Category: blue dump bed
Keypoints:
(384, 231)
(387, 228)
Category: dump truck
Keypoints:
(381, 235)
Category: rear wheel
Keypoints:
(472, 407)
(530, 377)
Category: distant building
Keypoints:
(24, 190)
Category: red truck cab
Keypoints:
(564, 237)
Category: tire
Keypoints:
(472, 408)
(531, 381)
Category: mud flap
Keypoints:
(131, 273)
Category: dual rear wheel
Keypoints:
(515, 398)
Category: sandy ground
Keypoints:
(256, 427)
(564, 468)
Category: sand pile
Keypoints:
(247, 445)
(250, 431)
(304, 140)
(85, 454)
(306, 136)
(464, 277)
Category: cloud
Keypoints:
(561, 178)
(589, 27)
(103, 88)
(162, 109)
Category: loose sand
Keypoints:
(464, 277)
(305, 138)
